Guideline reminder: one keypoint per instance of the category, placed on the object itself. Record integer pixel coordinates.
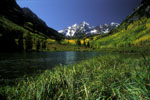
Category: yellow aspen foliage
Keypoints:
(130, 26)
(148, 20)
(147, 25)
(65, 41)
(138, 22)
(115, 35)
(123, 30)
(82, 41)
(142, 39)
(87, 39)
(51, 40)
(72, 41)
(95, 38)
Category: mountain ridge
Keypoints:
(22, 30)
(85, 28)
(143, 10)
(12, 11)
(133, 32)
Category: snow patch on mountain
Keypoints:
(85, 28)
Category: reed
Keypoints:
(101, 78)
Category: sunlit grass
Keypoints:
(105, 78)
(133, 35)
(66, 47)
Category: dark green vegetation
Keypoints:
(107, 77)
(102, 78)
(132, 35)
(22, 30)
(15, 38)
(13, 66)
(134, 31)
(67, 47)
(137, 34)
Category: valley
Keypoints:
(80, 62)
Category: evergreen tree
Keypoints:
(38, 45)
(20, 43)
(78, 42)
(29, 42)
(44, 44)
(88, 44)
(84, 43)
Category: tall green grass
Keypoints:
(101, 78)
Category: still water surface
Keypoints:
(13, 65)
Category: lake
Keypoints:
(15, 65)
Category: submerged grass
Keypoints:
(101, 78)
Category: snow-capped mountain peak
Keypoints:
(85, 28)
(85, 23)
(113, 23)
(75, 25)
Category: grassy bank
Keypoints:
(104, 78)
(139, 50)
(69, 47)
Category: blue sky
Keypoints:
(59, 14)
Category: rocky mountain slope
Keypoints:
(134, 31)
(85, 29)
(143, 10)
(21, 16)
(21, 29)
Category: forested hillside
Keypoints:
(133, 32)
(22, 30)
